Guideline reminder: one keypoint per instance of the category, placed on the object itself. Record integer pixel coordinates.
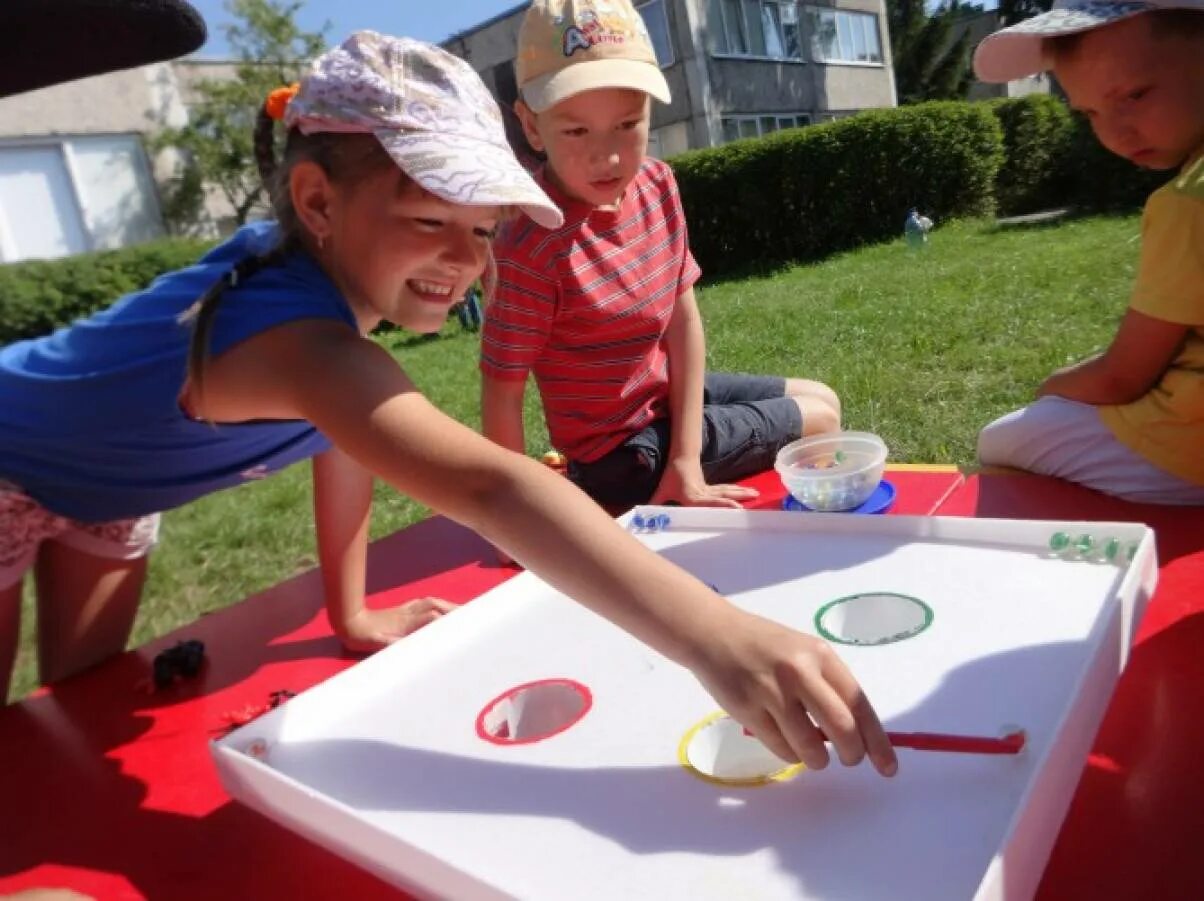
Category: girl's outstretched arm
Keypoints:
(779, 683)
(342, 514)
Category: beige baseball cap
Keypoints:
(566, 47)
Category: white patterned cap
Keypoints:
(1018, 51)
(429, 110)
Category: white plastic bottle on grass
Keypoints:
(916, 228)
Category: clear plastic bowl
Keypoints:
(836, 471)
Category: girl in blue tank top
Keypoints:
(394, 176)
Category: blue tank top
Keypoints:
(90, 422)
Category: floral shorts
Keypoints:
(25, 524)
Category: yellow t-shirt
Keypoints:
(1166, 424)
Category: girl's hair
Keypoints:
(343, 157)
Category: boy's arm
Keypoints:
(342, 512)
(683, 481)
(502, 412)
(1139, 354)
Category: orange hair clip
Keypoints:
(278, 100)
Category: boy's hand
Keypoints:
(371, 630)
(781, 684)
(683, 483)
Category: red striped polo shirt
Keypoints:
(585, 307)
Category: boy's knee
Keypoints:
(1000, 442)
(811, 388)
(819, 417)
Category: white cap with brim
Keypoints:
(1018, 51)
(546, 91)
(470, 172)
(429, 110)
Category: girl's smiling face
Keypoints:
(397, 252)
(1141, 89)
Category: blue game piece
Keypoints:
(662, 520)
(638, 520)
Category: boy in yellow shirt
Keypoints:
(1129, 421)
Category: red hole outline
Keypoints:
(484, 734)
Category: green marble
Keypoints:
(1058, 542)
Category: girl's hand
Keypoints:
(781, 684)
(371, 630)
(683, 483)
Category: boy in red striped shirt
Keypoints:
(602, 309)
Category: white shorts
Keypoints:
(25, 524)
(1057, 437)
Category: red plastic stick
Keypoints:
(1012, 743)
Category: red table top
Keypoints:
(111, 791)
(1135, 828)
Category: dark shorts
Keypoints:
(746, 420)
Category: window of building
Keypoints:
(838, 36)
(62, 196)
(754, 126)
(656, 20)
(763, 29)
(669, 140)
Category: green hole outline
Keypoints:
(929, 616)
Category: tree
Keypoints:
(216, 144)
(1013, 11)
(932, 61)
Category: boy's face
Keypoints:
(1142, 91)
(595, 142)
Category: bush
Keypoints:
(1053, 159)
(805, 193)
(38, 296)
(1102, 182)
(1038, 132)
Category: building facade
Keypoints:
(979, 27)
(736, 68)
(75, 174)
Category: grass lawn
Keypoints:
(923, 348)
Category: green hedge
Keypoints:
(1038, 132)
(1052, 159)
(1100, 181)
(795, 195)
(804, 193)
(38, 296)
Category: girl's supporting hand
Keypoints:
(781, 684)
(370, 630)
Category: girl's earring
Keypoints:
(321, 243)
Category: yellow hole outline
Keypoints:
(789, 771)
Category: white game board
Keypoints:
(386, 765)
